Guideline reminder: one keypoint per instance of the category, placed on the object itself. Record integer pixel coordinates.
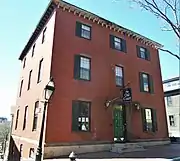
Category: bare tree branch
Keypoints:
(153, 7)
(170, 53)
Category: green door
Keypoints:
(119, 123)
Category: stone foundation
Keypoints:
(55, 150)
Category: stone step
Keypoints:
(128, 147)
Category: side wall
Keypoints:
(27, 137)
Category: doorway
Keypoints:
(119, 121)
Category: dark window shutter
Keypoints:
(111, 41)
(154, 118)
(90, 32)
(124, 48)
(76, 66)
(143, 119)
(138, 51)
(75, 115)
(90, 117)
(151, 85)
(148, 55)
(78, 29)
(90, 69)
(141, 82)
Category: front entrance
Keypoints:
(119, 119)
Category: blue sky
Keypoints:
(19, 18)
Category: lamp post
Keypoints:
(48, 91)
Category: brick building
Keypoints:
(90, 60)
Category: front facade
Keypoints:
(172, 102)
(90, 60)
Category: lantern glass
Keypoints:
(49, 89)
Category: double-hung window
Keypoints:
(81, 116)
(82, 67)
(119, 76)
(83, 30)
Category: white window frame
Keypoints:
(85, 67)
(146, 86)
(84, 30)
(119, 74)
(117, 43)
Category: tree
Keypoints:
(166, 10)
(4, 133)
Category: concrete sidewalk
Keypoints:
(167, 152)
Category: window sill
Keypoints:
(120, 50)
(143, 59)
(79, 131)
(80, 79)
(150, 132)
(146, 92)
(84, 38)
(119, 86)
(39, 81)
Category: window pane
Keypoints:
(119, 71)
(85, 63)
(119, 75)
(85, 31)
(171, 120)
(117, 39)
(119, 81)
(84, 73)
(83, 118)
(145, 83)
(148, 117)
(143, 53)
(85, 27)
(117, 43)
(169, 101)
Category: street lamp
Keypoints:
(48, 92)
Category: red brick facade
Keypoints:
(101, 86)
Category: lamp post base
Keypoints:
(38, 154)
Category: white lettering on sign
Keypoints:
(171, 86)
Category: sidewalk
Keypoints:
(167, 152)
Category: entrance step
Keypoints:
(126, 147)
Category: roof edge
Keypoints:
(42, 22)
(171, 80)
(87, 15)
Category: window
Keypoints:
(143, 53)
(20, 91)
(43, 36)
(25, 118)
(146, 83)
(31, 153)
(83, 30)
(40, 71)
(33, 49)
(35, 119)
(82, 67)
(171, 120)
(169, 100)
(81, 116)
(29, 81)
(118, 43)
(21, 149)
(149, 119)
(119, 76)
(17, 117)
(24, 63)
